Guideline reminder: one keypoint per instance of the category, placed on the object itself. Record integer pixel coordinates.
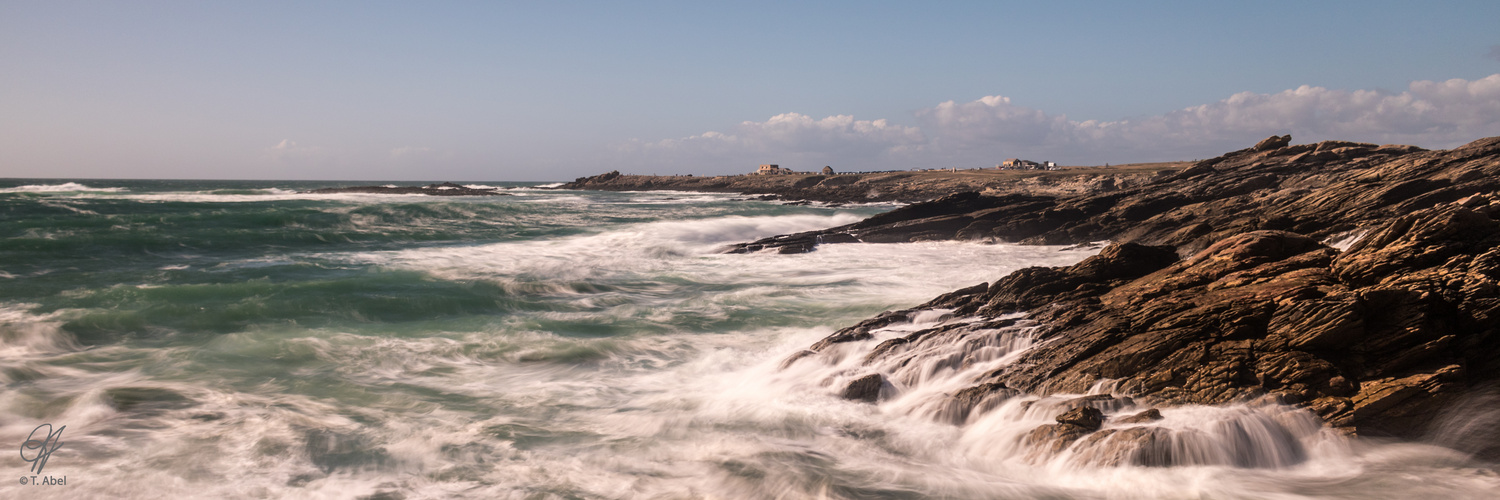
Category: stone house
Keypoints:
(1019, 164)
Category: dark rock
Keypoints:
(974, 400)
(861, 331)
(1376, 340)
(1139, 446)
(1037, 286)
(1049, 440)
(940, 219)
(866, 388)
(1087, 417)
(794, 358)
(1317, 190)
(1150, 415)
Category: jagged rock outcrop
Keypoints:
(1376, 339)
(1272, 142)
(1318, 190)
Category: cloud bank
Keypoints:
(790, 138)
(985, 131)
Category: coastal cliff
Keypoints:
(1359, 282)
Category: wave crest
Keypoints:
(66, 187)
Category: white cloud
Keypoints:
(1429, 114)
(982, 132)
(793, 140)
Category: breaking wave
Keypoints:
(580, 345)
(68, 187)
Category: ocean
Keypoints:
(238, 339)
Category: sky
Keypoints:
(543, 91)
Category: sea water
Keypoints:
(220, 339)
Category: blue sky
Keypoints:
(555, 90)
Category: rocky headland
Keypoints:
(1360, 282)
(904, 186)
(443, 189)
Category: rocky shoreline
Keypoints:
(902, 187)
(1360, 282)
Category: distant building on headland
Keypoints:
(1019, 164)
(773, 170)
(827, 170)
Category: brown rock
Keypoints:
(866, 388)
(1272, 142)
(1086, 417)
(1377, 339)
(1142, 446)
(1048, 440)
(978, 399)
(1150, 415)
(1318, 324)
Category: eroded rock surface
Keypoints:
(1379, 338)
(1319, 190)
(1374, 340)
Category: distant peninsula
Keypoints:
(905, 186)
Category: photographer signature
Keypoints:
(43, 447)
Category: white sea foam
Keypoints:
(23, 333)
(688, 249)
(263, 196)
(60, 188)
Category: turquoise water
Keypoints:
(238, 339)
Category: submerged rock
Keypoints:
(865, 389)
(1087, 417)
(1150, 415)
(978, 399)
